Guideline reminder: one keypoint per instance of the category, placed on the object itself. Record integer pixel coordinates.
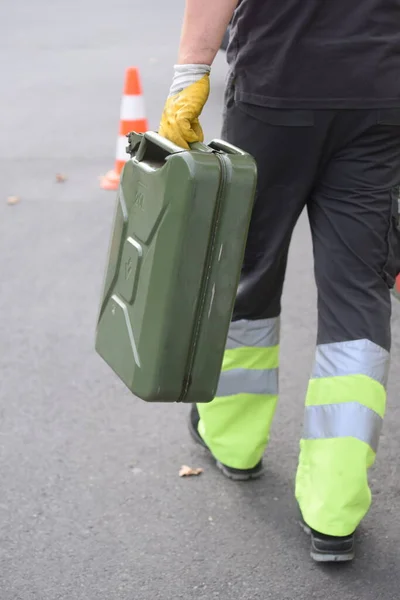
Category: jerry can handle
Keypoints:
(134, 140)
(222, 146)
(152, 146)
(200, 147)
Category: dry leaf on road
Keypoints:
(13, 200)
(186, 471)
(60, 178)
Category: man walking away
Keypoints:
(313, 94)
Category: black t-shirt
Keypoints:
(317, 53)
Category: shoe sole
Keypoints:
(224, 470)
(236, 476)
(324, 557)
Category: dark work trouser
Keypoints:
(344, 166)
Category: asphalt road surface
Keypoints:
(91, 505)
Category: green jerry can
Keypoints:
(174, 264)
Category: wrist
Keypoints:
(203, 56)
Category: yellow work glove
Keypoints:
(188, 95)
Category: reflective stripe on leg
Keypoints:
(357, 357)
(350, 419)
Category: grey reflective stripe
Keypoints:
(357, 357)
(248, 381)
(262, 333)
(343, 420)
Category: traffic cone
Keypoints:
(132, 118)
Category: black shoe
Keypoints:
(329, 548)
(230, 472)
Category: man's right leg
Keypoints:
(236, 425)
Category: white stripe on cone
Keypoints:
(121, 148)
(132, 107)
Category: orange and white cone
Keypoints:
(132, 118)
(396, 289)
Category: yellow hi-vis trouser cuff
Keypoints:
(343, 419)
(236, 424)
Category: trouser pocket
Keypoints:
(392, 266)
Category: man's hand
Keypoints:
(204, 26)
(188, 95)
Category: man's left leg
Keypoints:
(354, 218)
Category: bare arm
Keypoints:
(204, 25)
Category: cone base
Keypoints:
(110, 181)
